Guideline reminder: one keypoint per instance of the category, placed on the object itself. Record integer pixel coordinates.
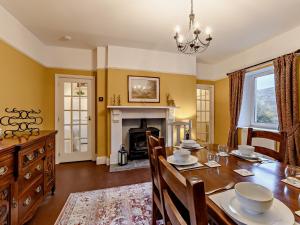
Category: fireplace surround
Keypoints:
(118, 114)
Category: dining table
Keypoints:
(268, 174)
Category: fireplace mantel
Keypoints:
(119, 113)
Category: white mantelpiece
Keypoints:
(118, 113)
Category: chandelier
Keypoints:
(193, 44)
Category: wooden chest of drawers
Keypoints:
(27, 175)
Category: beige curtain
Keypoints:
(286, 86)
(236, 84)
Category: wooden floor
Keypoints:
(82, 176)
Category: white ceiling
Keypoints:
(237, 24)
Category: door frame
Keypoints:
(212, 108)
(93, 113)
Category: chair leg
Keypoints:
(155, 213)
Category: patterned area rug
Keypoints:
(125, 205)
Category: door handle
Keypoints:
(89, 118)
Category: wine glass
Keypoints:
(292, 174)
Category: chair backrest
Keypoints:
(189, 192)
(153, 142)
(280, 137)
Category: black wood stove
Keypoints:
(138, 142)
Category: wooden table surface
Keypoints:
(268, 175)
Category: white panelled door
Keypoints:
(75, 118)
(205, 114)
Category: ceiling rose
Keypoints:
(193, 43)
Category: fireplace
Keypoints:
(138, 142)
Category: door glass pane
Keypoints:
(83, 145)
(75, 117)
(67, 132)
(83, 117)
(83, 103)
(75, 103)
(67, 117)
(84, 131)
(67, 103)
(67, 89)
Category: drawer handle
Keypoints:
(27, 201)
(38, 189)
(30, 157)
(14, 203)
(3, 170)
(38, 167)
(27, 176)
(41, 150)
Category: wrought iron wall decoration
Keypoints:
(21, 122)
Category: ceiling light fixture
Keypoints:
(193, 44)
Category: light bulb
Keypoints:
(180, 39)
(177, 29)
(196, 25)
(208, 30)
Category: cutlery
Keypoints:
(227, 187)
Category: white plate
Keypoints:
(192, 160)
(239, 154)
(279, 213)
(196, 146)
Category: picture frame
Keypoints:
(143, 89)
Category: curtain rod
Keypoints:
(261, 63)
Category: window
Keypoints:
(205, 113)
(259, 107)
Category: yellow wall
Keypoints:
(210, 82)
(102, 127)
(23, 83)
(222, 116)
(182, 89)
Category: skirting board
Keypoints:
(100, 160)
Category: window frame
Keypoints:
(253, 75)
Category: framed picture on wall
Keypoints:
(143, 89)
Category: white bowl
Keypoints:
(246, 150)
(254, 198)
(188, 143)
(181, 155)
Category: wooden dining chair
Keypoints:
(178, 191)
(280, 138)
(157, 205)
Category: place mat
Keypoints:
(218, 197)
(244, 172)
(296, 185)
(261, 158)
(194, 166)
(212, 164)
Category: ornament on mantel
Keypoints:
(119, 100)
(170, 101)
(113, 100)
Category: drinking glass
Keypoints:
(211, 156)
(223, 150)
(292, 174)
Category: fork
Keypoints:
(227, 187)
